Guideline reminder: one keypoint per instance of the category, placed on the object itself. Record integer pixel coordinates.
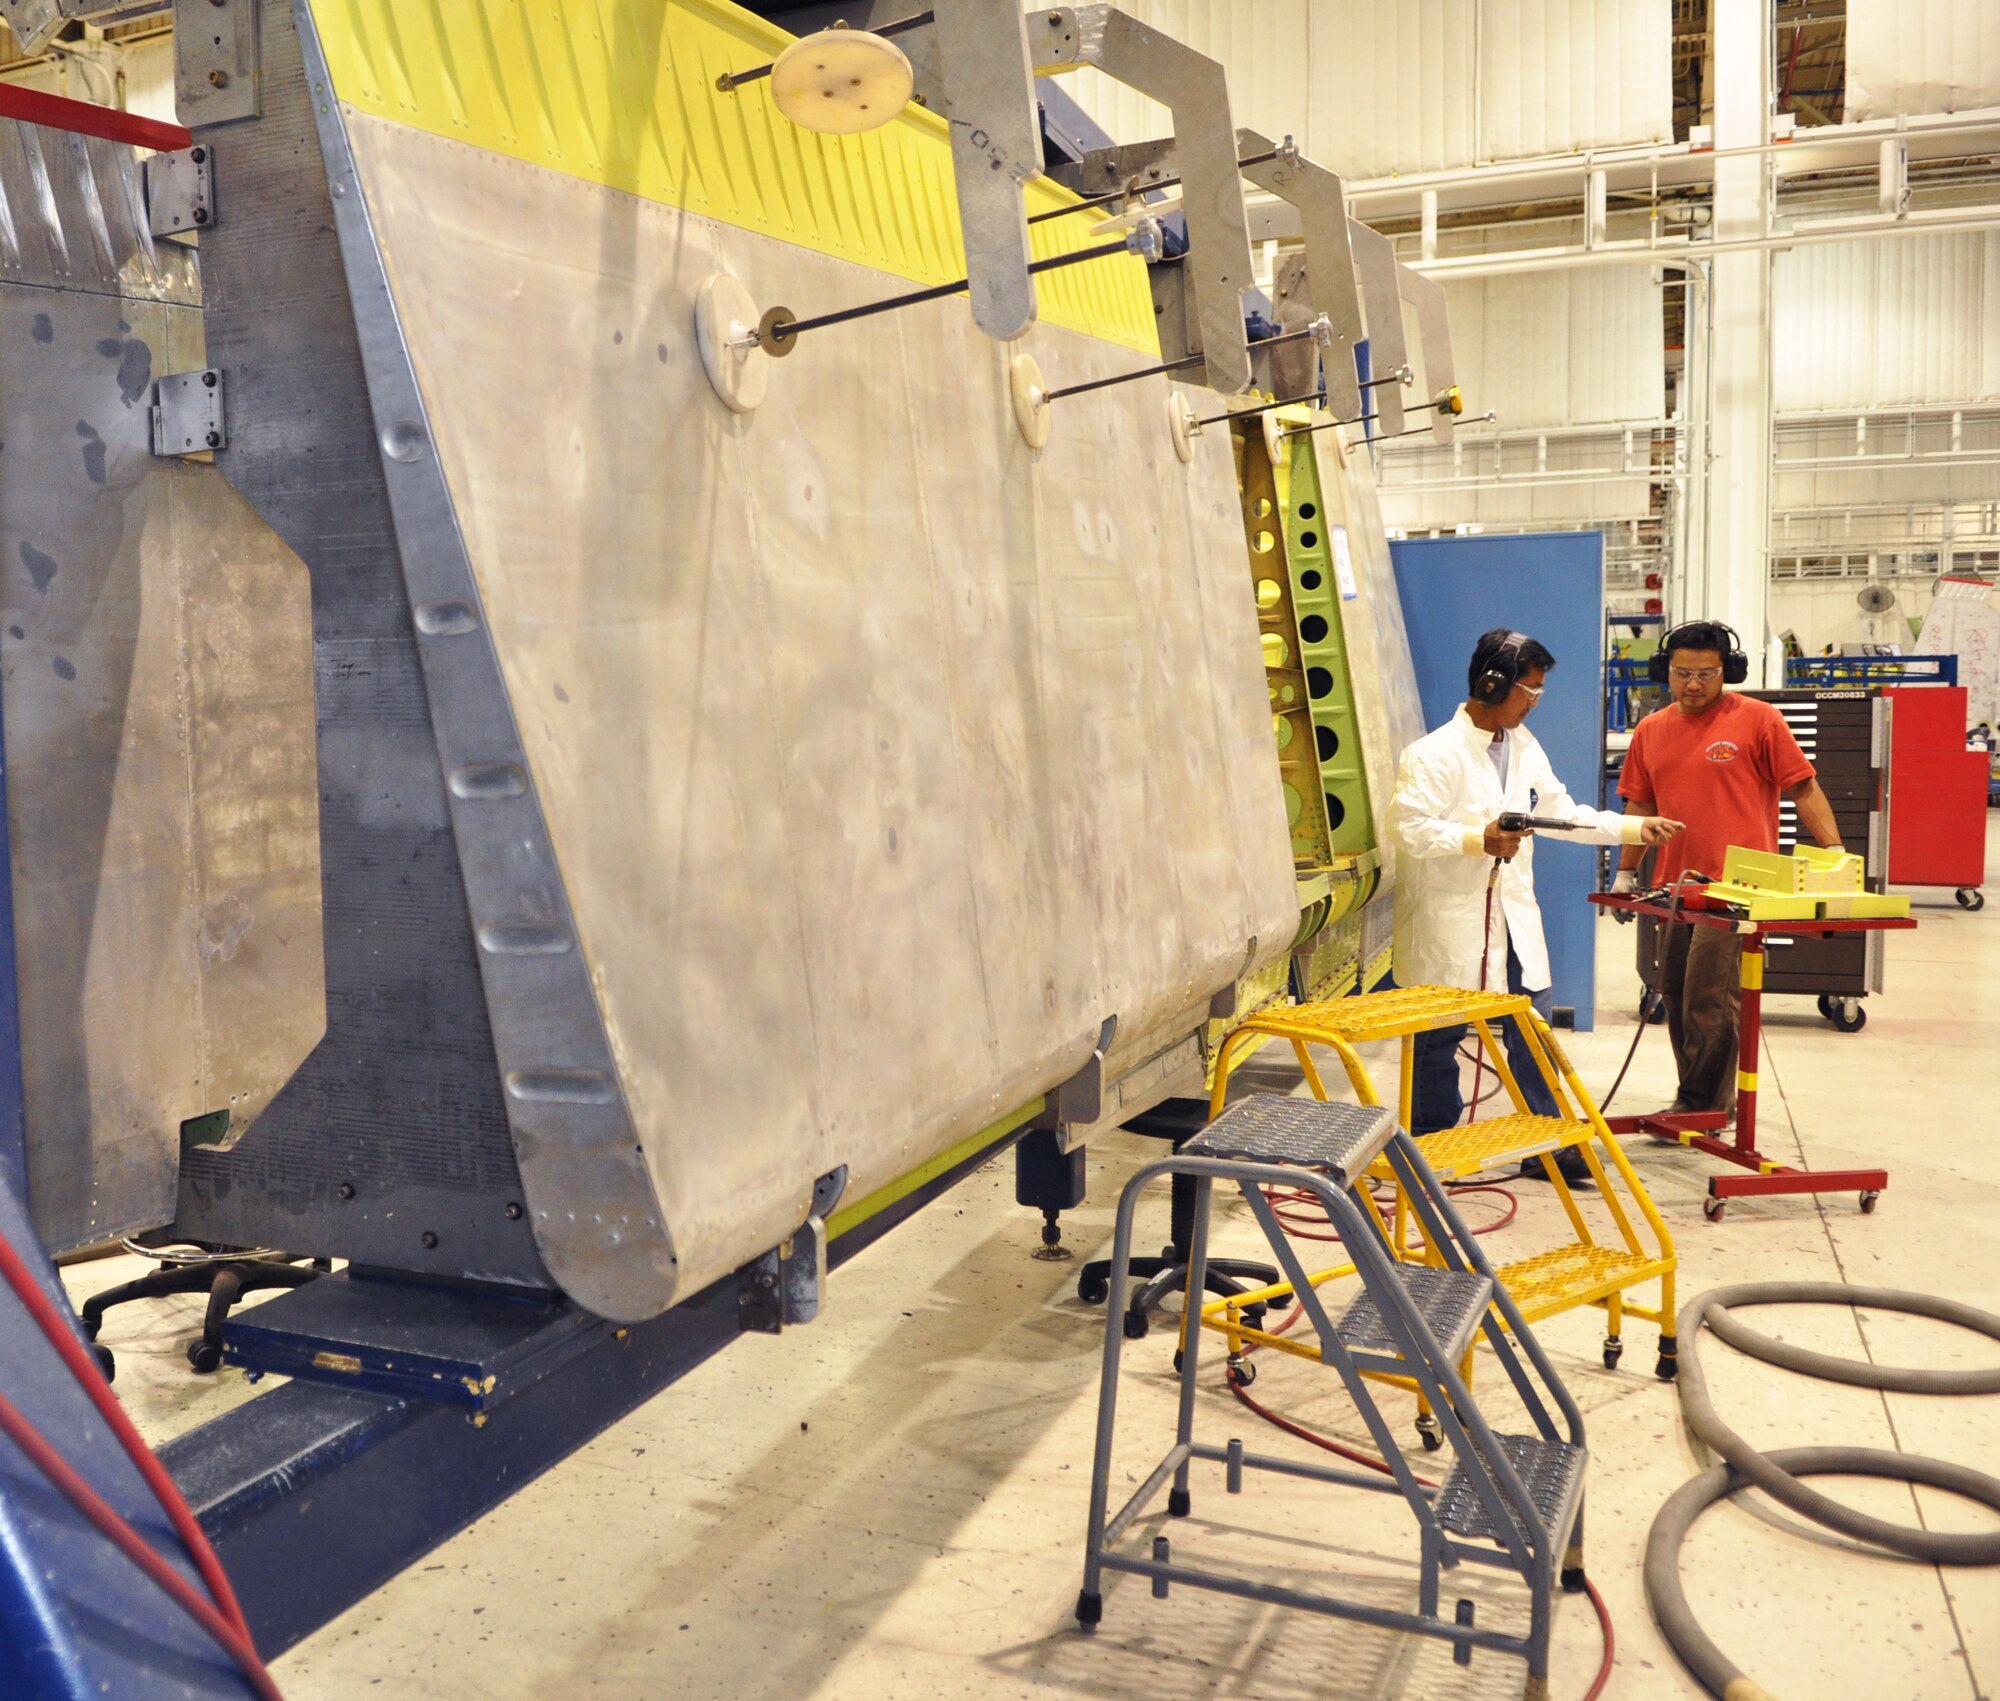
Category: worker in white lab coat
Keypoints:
(1451, 788)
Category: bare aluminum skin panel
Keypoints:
(156, 653)
(73, 216)
(883, 758)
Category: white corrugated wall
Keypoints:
(1546, 351)
(1558, 76)
(1371, 88)
(1823, 611)
(1910, 56)
(1560, 348)
(1904, 321)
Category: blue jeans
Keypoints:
(1435, 1101)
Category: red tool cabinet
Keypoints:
(1937, 793)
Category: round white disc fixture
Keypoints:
(841, 82)
(725, 330)
(1181, 422)
(1031, 407)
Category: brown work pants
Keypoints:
(1700, 982)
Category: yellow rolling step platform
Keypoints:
(1585, 1270)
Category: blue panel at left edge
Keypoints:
(1551, 586)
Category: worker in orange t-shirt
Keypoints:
(1718, 761)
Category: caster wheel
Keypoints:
(204, 1357)
(1849, 1015)
(1825, 1006)
(1712, 1209)
(1253, 1316)
(1971, 898)
(1614, 1350)
(1092, 1290)
(1653, 1013)
(1429, 1433)
(105, 1362)
(1136, 1325)
(1868, 1201)
(1241, 1373)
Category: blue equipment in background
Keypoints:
(1551, 586)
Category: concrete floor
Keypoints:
(890, 1502)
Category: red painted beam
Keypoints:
(31, 106)
(1799, 1181)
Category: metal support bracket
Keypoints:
(180, 190)
(1375, 262)
(987, 96)
(1194, 89)
(1328, 283)
(760, 1306)
(218, 70)
(785, 1284)
(1426, 297)
(1080, 1099)
(1132, 166)
(188, 415)
(802, 1264)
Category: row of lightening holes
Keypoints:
(1277, 654)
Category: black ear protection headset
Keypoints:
(1735, 664)
(1496, 682)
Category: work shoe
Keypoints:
(1570, 1161)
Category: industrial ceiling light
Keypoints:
(841, 82)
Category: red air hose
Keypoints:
(224, 1621)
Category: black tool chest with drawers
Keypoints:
(1844, 734)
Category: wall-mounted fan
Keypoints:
(1875, 599)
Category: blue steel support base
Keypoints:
(315, 1495)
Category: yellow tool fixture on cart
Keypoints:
(1581, 1271)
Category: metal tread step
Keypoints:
(1451, 1302)
(1269, 1128)
(1551, 1471)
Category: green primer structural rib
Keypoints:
(1322, 650)
(1278, 632)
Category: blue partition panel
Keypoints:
(1551, 586)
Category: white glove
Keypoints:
(1626, 881)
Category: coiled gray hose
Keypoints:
(1777, 1472)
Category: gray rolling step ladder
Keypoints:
(1511, 1501)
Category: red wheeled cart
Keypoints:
(1700, 1129)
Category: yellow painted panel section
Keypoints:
(622, 93)
(1752, 977)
